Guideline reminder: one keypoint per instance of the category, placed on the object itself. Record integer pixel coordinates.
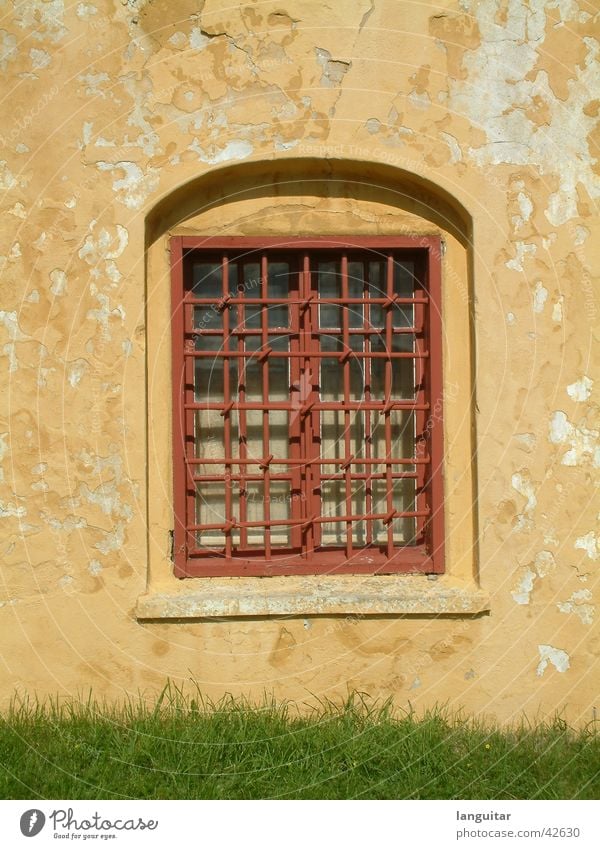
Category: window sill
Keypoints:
(384, 595)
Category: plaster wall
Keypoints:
(126, 122)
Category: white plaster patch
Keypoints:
(544, 563)
(103, 314)
(584, 445)
(8, 49)
(12, 510)
(75, 371)
(39, 59)
(107, 498)
(11, 323)
(18, 210)
(373, 126)
(58, 280)
(454, 147)
(510, 318)
(233, 150)
(523, 250)
(42, 18)
(93, 82)
(590, 544)
(525, 208)
(135, 186)
(419, 101)
(334, 70)
(86, 11)
(522, 592)
(579, 604)
(113, 540)
(557, 657)
(7, 178)
(198, 41)
(104, 245)
(501, 86)
(581, 389)
(540, 296)
(557, 310)
(94, 567)
(523, 485)
(100, 465)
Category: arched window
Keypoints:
(304, 441)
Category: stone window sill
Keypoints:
(383, 595)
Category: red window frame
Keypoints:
(304, 466)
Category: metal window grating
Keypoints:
(305, 376)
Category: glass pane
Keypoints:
(209, 371)
(210, 440)
(403, 499)
(359, 507)
(332, 370)
(403, 376)
(210, 510)
(207, 282)
(279, 503)
(253, 370)
(252, 289)
(329, 285)
(403, 437)
(355, 290)
(255, 508)
(279, 370)
(404, 286)
(333, 500)
(377, 289)
(278, 286)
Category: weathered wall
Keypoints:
(113, 106)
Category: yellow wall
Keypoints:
(130, 122)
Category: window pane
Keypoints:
(404, 286)
(403, 380)
(355, 290)
(207, 282)
(255, 507)
(280, 505)
(329, 285)
(377, 289)
(252, 289)
(278, 286)
(210, 510)
(209, 371)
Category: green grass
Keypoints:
(186, 748)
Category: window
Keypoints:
(307, 386)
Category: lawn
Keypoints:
(186, 748)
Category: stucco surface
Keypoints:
(125, 122)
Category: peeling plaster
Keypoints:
(581, 389)
(579, 604)
(334, 70)
(135, 186)
(521, 482)
(585, 447)
(589, 543)
(557, 657)
(502, 88)
(540, 296)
